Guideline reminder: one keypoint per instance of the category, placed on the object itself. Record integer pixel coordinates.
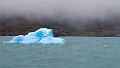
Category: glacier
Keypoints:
(42, 35)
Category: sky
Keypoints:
(68, 8)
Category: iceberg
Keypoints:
(42, 35)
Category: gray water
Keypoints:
(77, 52)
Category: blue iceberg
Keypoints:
(42, 35)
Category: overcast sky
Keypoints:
(87, 8)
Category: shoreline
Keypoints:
(21, 26)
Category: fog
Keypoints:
(64, 15)
(68, 8)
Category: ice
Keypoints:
(42, 35)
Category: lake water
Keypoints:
(77, 52)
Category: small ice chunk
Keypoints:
(42, 35)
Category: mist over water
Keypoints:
(76, 12)
(68, 8)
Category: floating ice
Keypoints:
(42, 35)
